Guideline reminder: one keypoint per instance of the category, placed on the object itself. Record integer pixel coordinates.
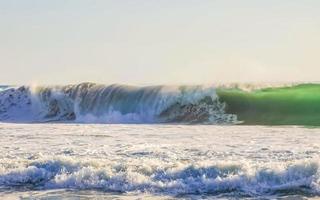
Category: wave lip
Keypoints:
(295, 178)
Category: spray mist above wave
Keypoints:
(88, 102)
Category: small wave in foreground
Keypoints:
(166, 178)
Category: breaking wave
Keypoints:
(88, 102)
(232, 104)
(167, 178)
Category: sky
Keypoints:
(143, 42)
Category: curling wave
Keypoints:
(88, 102)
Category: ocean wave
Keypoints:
(296, 104)
(167, 178)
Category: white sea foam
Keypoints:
(174, 178)
(171, 160)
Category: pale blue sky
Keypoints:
(159, 41)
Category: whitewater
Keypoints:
(158, 161)
(93, 141)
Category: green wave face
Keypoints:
(296, 105)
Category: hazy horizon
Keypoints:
(159, 42)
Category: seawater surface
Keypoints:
(85, 161)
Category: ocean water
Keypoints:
(158, 161)
(93, 141)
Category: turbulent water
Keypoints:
(40, 161)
